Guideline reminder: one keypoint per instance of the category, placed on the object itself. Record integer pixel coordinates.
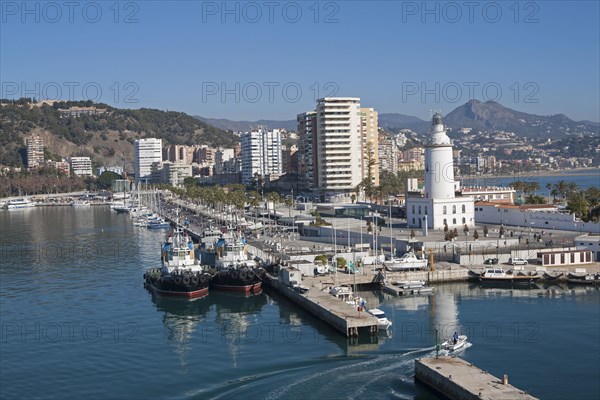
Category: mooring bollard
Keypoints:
(505, 380)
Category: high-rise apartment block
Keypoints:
(147, 158)
(261, 154)
(337, 147)
(338, 144)
(35, 151)
(307, 136)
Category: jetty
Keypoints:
(455, 378)
(345, 318)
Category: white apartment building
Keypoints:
(35, 151)
(261, 154)
(174, 173)
(338, 145)
(147, 157)
(81, 166)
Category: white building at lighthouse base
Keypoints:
(435, 213)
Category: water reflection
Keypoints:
(238, 319)
(185, 320)
(180, 318)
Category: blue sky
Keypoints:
(253, 60)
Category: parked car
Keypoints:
(491, 261)
(518, 261)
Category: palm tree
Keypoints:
(578, 204)
(561, 189)
(592, 195)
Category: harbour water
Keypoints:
(583, 178)
(76, 322)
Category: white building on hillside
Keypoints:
(81, 166)
(439, 205)
(147, 158)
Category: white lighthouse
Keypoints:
(439, 205)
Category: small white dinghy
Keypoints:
(454, 345)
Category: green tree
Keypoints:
(367, 184)
(321, 259)
(106, 179)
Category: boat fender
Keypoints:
(243, 274)
(186, 280)
(234, 274)
(195, 280)
(177, 280)
(251, 274)
(203, 278)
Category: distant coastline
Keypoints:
(524, 175)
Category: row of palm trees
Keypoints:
(232, 198)
(585, 204)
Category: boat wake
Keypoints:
(388, 375)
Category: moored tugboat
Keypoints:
(181, 274)
(235, 271)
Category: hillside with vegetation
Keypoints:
(107, 137)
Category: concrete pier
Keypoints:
(398, 291)
(343, 317)
(457, 379)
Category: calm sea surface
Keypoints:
(583, 179)
(77, 323)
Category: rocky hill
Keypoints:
(492, 116)
(107, 137)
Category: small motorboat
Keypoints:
(587, 279)
(408, 262)
(497, 275)
(383, 323)
(549, 277)
(454, 345)
(474, 276)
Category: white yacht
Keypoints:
(20, 203)
(407, 262)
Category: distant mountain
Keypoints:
(592, 123)
(485, 116)
(401, 121)
(490, 115)
(245, 126)
(386, 120)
